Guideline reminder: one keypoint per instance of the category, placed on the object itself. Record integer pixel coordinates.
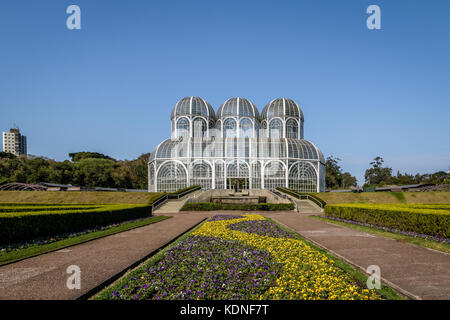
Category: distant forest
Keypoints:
(92, 169)
(87, 169)
(378, 175)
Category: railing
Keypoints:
(283, 196)
(311, 198)
(170, 196)
(302, 196)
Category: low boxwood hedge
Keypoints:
(185, 189)
(211, 206)
(46, 208)
(434, 222)
(20, 226)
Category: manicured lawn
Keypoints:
(70, 197)
(243, 257)
(37, 249)
(440, 246)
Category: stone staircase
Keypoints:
(174, 206)
(308, 207)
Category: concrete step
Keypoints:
(307, 206)
(174, 206)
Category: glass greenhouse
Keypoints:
(236, 145)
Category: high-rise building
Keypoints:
(14, 142)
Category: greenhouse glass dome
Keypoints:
(236, 145)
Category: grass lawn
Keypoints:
(440, 246)
(34, 250)
(76, 197)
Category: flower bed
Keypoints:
(261, 227)
(242, 258)
(203, 267)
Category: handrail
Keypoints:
(302, 196)
(179, 195)
(283, 196)
(311, 198)
(169, 196)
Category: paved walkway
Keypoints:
(419, 272)
(45, 276)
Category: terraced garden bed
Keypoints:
(240, 257)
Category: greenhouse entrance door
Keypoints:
(238, 183)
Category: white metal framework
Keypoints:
(260, 152)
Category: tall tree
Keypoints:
(378, 175)
(334, 178)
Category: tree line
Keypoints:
(87, 169)
(377, 175)
(92, 169)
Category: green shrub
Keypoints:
(25, 204)
(400, 196)
(185, 189)
(155, 197)
(45, 208)
(430, 221)
(211, 206)
(171, 195)
(19, 226)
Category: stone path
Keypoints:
(45, 276)
(418, 272)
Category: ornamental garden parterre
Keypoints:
(241, 257)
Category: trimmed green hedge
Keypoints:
(184, 189)
(19, 226)
(211, 206)
(297, 194)
(25, 204)
(155, 197)
(434, 222)
(45, 208)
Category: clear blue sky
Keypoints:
(110, 86)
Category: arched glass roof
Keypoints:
(238, 107)
(303, 149)
(283, 108)
(193, 106)
(261, 148)
(170, 149)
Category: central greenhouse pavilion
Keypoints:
(236, 145)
